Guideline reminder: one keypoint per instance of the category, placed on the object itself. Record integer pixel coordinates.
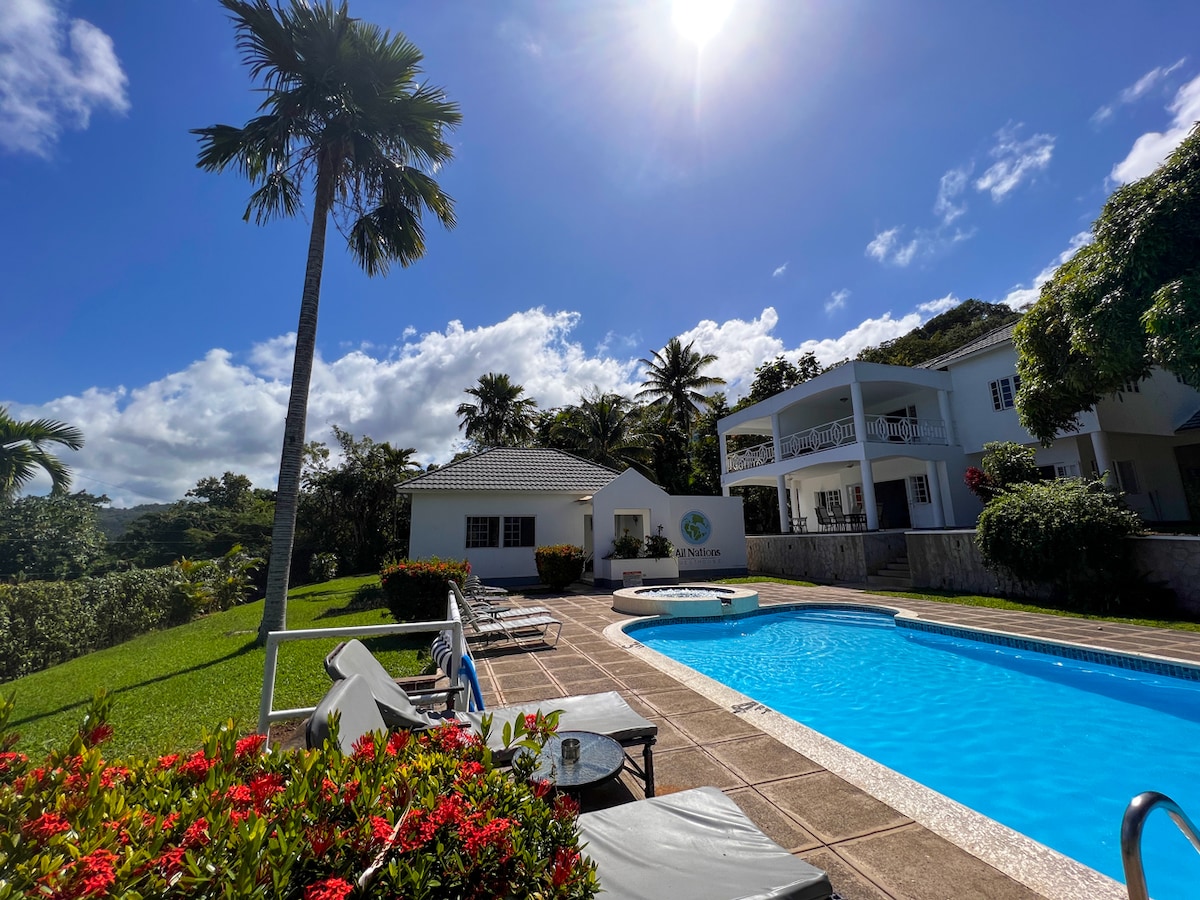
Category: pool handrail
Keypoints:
(1133, 822)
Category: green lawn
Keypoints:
(168, 686)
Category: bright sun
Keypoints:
(699, 21)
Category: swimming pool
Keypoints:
(1050, 746)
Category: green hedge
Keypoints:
(416, 589)
(558, 565)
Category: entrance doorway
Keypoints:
(891, 498)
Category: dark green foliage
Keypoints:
(658, 546)
(559, 565)
(607, 429)
(777, 376)
(1069, 534)
(500, 415)
(941, 334)
(43, 623)
(706, 448)
(1008, 464)
(626, 547)
(322, 567)
(50, 538)
(417, 589)
(114, 522)
(1125, 303)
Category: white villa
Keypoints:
(891, 443)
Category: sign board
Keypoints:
(631, 579)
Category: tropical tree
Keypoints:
(500, 416)
(23, 453)
(1126, 302)
(778, 375)
(344, 113)
(606, 428)
(675, 381)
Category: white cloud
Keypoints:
(54, 72)
(1016, 160)
(778, 273)
(219, 413)
(939, 306)
(951, 186)
(889, 247)
(1135, 91)
(1151, 149)
(1022, 295)
(883, 243)
(837, 300)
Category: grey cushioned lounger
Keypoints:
(606, 713)
(696, 844)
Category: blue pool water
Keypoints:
(1052, 747)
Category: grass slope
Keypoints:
(168, 686)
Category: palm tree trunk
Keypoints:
(292, 457)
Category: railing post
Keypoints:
(266, 704)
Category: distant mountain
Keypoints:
(941, 334)
(114, 522)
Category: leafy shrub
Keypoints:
(1005, 464)
(1069, 534)
(626, 547)
(559, 564)
(659, 546)
(43, 623)
(416, 589)
(214, 585)
(424, 815)
(323, 567)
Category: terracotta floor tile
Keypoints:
(766, 815)
(713, 725)
(846, 880)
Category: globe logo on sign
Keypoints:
(695, 527)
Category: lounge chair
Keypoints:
(606, 713)
(474, 587)
(487, 608)
(518, 629)
(696, 844)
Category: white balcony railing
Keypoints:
(838, 433)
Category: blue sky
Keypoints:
(819, 175)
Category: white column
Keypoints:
(785, 523)
(935, 493)
(944, 412)
(1103, 457)
(776, 445)
(860, 413)
(723, 446)
(868, 485)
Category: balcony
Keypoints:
(838, 433)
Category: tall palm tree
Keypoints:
(23, 452)
(606, 428)
(501, 417)
(674, 380)
(344, 112)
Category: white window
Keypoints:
(1131, 386)
(1066, 470)
(487, 531)
(855, 495)
(1004, 392)
(918, 488)
(828, 499)
(1127, 476)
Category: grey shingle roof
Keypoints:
(993, 337)
(515, 469)
(1190, 424)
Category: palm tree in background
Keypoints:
(342, 110)
(606, 428)
(674, 380)
(500, 417)
(23, 453)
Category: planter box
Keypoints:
(613, 572)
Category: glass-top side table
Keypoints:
(600, 759)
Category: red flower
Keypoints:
(398, 741)
(9, 760)
(320, 838)
(541, 787)
(98, 735)
(166, 762)
(331, 888)
(108, 778)
(266, 786)
(471, 769)
(565, 807)
(171, 861)
(46, 826)
(196, 834)
(239, 795)
(364, 747)
(382, 829)
(530, 722)
(493, 834)
(95, 872)
(250, 746)
(197, 765)
(565, 860)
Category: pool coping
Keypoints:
(1023, 859)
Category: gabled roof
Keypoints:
(515, 469)
(984, 341)
(1191, 424)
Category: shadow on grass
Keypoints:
(249, 647)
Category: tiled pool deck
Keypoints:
(870, 848)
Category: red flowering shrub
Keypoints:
(559, 564)
(423, 815)
(416, 589)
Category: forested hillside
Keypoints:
(941, 334)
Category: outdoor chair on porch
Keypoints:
(800, 525)
(830, 519)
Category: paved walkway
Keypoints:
(870, 850)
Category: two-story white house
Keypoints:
(892, 443)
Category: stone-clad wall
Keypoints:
(848, 556)
(1175, 561)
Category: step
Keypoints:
(894, 569)
(889, 581)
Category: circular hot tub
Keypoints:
(685, 600)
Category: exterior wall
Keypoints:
(1160, 494)
(847, 557)
(440, 529)
(628, 494)
(950, 560)
(722, 552)
(1158, 406)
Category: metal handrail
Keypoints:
(1131, 837)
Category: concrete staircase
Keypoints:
(895, 575)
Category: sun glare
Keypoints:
(699, 21)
